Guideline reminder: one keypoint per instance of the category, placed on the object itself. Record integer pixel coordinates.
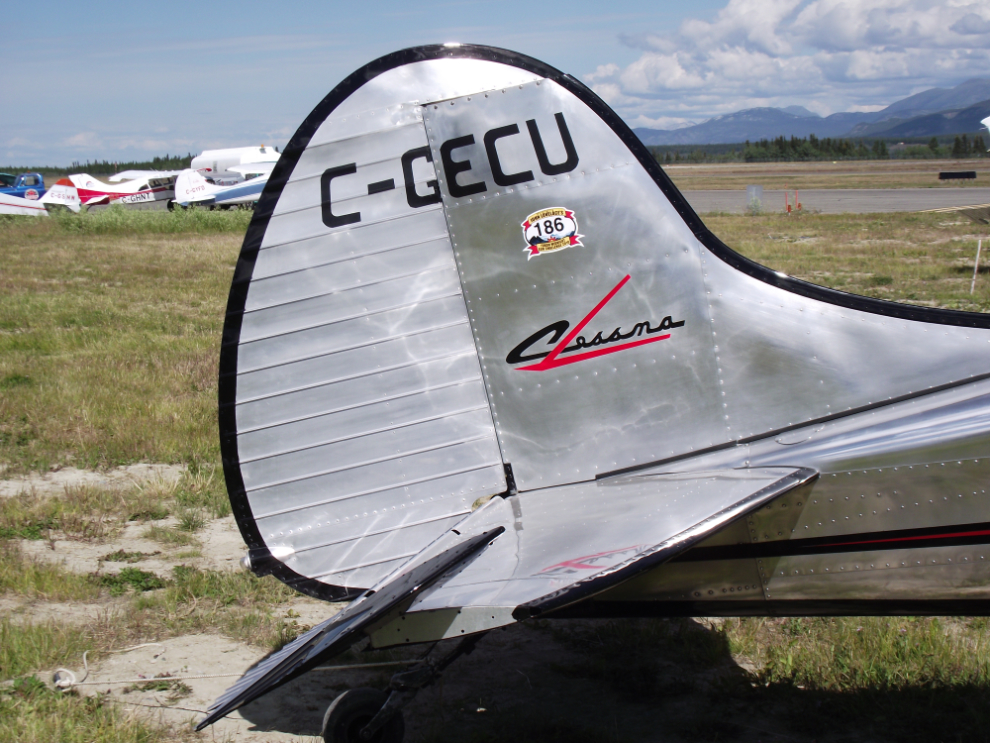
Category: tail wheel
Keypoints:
(351, 711)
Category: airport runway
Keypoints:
(838, 200)
(826, 201)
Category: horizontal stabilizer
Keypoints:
(340, 631)
(557, 546)
(566, 544)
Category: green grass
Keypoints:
(236, 603)
(916, 258)
(27, 648)
(130, 579)
(82, 512)
(191, 520)
(203, 488)
(170, 536)
(98, 513)
(30, 712)
(860, 653)
(123, 555)
(109, 341)
(120, 220)
(35, 579)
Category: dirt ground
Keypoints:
(534, 677)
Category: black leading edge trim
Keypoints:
(283, 169)
(956, 535)
(760, 608)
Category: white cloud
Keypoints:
(82, 139)
(828, 55)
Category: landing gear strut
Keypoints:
(372, 716)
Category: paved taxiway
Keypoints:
(826, 201)
(838, 200)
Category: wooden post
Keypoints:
(976, 265)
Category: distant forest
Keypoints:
(798, 149)
(780, 149)
(105, 167)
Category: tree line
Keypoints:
(782, 149)
(107, 167)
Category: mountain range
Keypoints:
(934, 112)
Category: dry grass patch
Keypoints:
(916, 258)
(880, 653)
(109, 345)
(83, 512)
(30, 712)
(170, 536)
(236, 604)
(35, 579)
(98, 513)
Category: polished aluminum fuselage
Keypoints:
(396, 352)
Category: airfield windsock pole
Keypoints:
(976, 265)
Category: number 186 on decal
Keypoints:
(550, 230)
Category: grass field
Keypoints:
(109, 338)
(841, 174)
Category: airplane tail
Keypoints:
(192, 188)
(63, 194)
(499, 290)
(470, 298)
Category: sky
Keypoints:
(85, 81)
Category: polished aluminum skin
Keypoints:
(557, 539)
(749, 359)
(921, 465)
(468, 269)
(473, 304)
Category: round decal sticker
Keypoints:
(31, 194)
(550, 230)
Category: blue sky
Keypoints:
(93, 81)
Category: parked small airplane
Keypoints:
(192, 189)
(130, 175)
(81, 191)
(22, 207)
(221, 165)
(482, 362)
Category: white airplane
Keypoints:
(81, 191)
(226, 166)
(130, 175)
(482, 363)
(192, 189)
(15, 205)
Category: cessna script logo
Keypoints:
(573, 348)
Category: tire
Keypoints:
(352, 710)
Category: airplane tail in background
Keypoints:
(191, 188)
(63, 194)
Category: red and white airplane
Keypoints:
(81, 191)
